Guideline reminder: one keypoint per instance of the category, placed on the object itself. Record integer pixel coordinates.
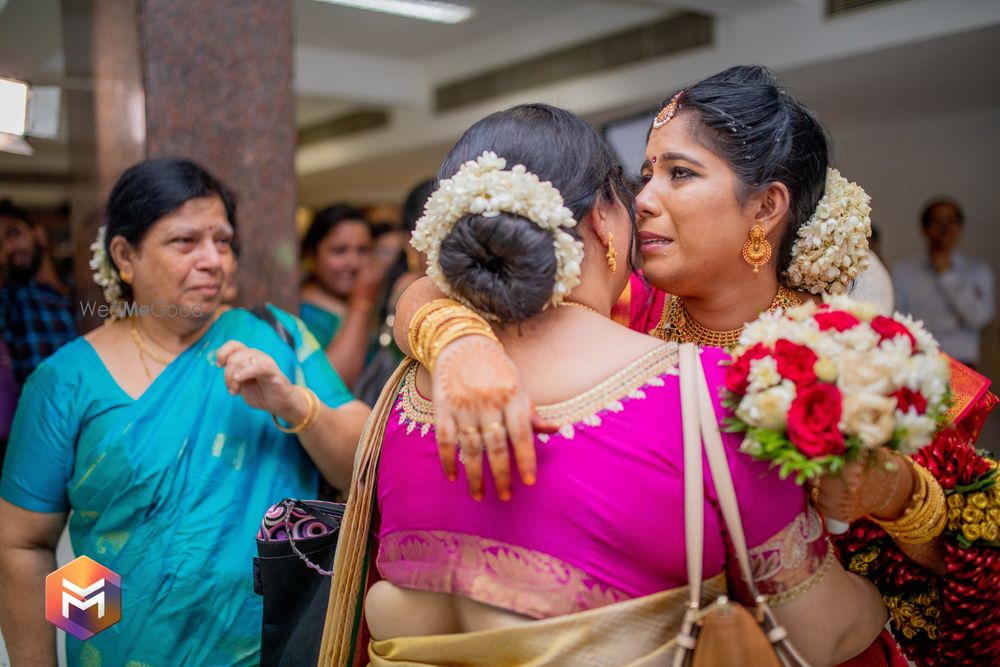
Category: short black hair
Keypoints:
(925, 215)
(8, 210)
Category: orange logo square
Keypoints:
(83, 598)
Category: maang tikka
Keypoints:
(668, 112)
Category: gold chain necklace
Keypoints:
(577, 304)
(144, 351)
(677, 325)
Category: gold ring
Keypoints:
(469, 430)
(495, 426)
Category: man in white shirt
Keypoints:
(951, 293)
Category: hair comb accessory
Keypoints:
(668, 112)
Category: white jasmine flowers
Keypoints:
(105, 274)
(482, 186)
(831, 248)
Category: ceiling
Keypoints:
(928, 76)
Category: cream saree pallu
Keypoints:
(636, 632)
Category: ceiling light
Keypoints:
(13, 106)
(425, 10)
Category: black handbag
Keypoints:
(292, 572)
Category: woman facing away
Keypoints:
(164, 435)
(588, 560)
(735, 182)
(343, 281)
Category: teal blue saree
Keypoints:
(166, 490)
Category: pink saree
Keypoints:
(603, 524)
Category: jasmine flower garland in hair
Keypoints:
(483, 187)
(105, 274)
(831, 248)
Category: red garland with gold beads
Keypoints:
(953, 619)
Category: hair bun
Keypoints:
(503, 265)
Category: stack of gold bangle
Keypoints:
(926, 515)
(439, 323)
(311, 417)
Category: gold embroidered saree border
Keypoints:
(626, 383)
(509, 576)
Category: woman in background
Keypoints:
(163, 436)
(343, 283)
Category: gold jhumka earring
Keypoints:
(757, 250)
(612, 253)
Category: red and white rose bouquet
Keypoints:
(817, 386)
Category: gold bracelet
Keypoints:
(440, 322)
(416, 324)
(310, 418)
(926, 515)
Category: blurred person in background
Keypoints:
(951, 293)
(342, 285)
(409, 266)
(163, 436)
(36, 314)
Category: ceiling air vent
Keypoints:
(680, 32)
(341, 126)
(841, 7)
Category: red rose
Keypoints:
(813, 419)
(906, 398)
(836, 319)
(795, 362)
(888, 328)
(736, 373)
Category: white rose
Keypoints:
(870, 417)
(768, 409)
(862, 374)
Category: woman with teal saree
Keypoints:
(162, 449)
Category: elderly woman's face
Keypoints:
(186, 258)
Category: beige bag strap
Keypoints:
(701, 426)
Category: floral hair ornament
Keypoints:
(485, 187)
(831, 248)
(106, 275)
(668, 112)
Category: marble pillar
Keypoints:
(209, 81)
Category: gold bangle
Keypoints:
(310, 418)
(440, 322)
(926, 515)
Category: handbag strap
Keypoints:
(702, 427)
(694, 503)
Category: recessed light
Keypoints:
(425, 10)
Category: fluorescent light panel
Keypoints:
(13, 106)
(425, 10)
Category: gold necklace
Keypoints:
(577, 304)
(677, 325)
(143, 349)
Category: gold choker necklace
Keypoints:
(677, 325)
